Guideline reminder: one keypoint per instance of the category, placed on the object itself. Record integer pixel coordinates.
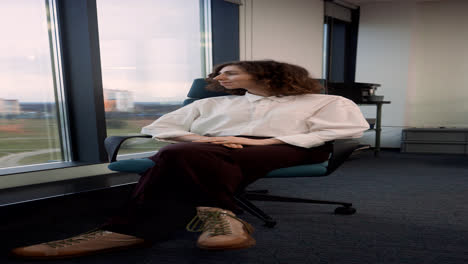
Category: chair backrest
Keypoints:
(198, 91)
(342, 149)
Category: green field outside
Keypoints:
(27, 136)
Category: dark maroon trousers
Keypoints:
(191, 174)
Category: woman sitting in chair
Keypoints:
(275, 118)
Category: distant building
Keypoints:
(9, 107)
(118, 101)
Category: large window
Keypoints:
(62, 63)
(151, 50)
(32, 129)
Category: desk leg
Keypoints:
(378, 129)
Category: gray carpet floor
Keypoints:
(411, 208)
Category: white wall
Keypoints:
(419, 53)
(383, 52)
(438, 77)
(289, 31)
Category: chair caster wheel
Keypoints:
(344, 210)
(270, 223)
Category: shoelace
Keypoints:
(76, 239)
(212, 221)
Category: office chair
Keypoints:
(342, 149)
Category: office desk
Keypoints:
(378, 123)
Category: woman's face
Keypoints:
(234, 77)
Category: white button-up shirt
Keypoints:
(302, 120)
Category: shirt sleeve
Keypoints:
(174, 124)
(339, 119)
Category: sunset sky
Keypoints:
(149, 47)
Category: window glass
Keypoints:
(151, 51)
(29, 123)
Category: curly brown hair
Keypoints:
(281, 78)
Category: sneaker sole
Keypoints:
(107, 250)
(247, 244)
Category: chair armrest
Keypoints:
(342, 149)
(113, 143)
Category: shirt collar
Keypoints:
(253, 97)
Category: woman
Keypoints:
(275, 118)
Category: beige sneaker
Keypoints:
(221, 229)
(85, 244)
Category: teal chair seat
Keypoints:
(309, 170)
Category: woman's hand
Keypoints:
(232, 145)
(237, 142)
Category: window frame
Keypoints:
(350, 44)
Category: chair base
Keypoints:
(244, 199)
(245, 204)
